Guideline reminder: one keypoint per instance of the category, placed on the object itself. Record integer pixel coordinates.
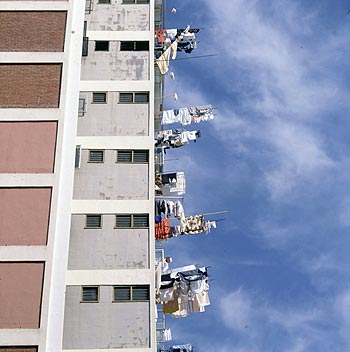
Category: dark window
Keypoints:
(132, 156)
(140, 293)
(104, 1)
(77, 156)
(135, 2)
(129, 98)
(140, 156)
(93, 221)
(131, 293)
(123, 221)
(140, 220)
(89, 294)
(82, 107)
(132, 221)
(96, 156)
(122, 293)
(99, 98)
(126, 97)
(134, 46)
(101, 45)
(124, 156)
(141, 98)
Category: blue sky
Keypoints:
(277, 158)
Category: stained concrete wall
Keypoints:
(110, 180)
(112, 118)
(118, 17)
(105, 324)
(27, 147)
(24, 216)
(115, 64)
(107, 248)
(20, 295)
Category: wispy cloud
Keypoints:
(287, 88)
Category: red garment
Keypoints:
(162, 229)
(160, 36)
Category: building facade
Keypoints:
(77, 176)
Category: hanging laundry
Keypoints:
(201, 113)
(193, 225)
(186, 116)
(176, 116)
(163, 60)
(162, 229)
(181, 348)
(167, 335)
(160, 36)
(191, 287)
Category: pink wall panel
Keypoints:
(24, 216)
(27, 147)
(20, 295)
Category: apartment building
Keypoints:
(77, 176)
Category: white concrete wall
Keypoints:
(112, 118)
(108, 247)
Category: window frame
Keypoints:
(100, 102)
(96, 150)
(93, 228)
(135, 2)
(132, 156)
(131, 288)
(135, 45)
(102, 41)
(89, 286)
(131, 222)
(133, 97)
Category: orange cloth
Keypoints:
(160, 36)
(162, 229)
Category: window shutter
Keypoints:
(99, 98)
(101, 45)
(93, 221)
(90, 294)
(140, 293)
(141, 46)
(141, 98)
(126, 98)
(124, 156)
(123, 221)
(122, 293)
(96, 156)
(127, 46)
(77, 156)
(140, 156)
(140, 220)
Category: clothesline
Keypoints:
(214, 107)
(188, 58)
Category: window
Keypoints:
(132, 221)
(82, 107)
(104, 1)
(96, 156)
(77, 156)
(93, 221)
(134, 46)
(135, 2)
(89, 294)
(137, 97)
(99, 98)
(131, 293)
(132, 156)
(101, 45)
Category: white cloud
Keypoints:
(291, 89)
